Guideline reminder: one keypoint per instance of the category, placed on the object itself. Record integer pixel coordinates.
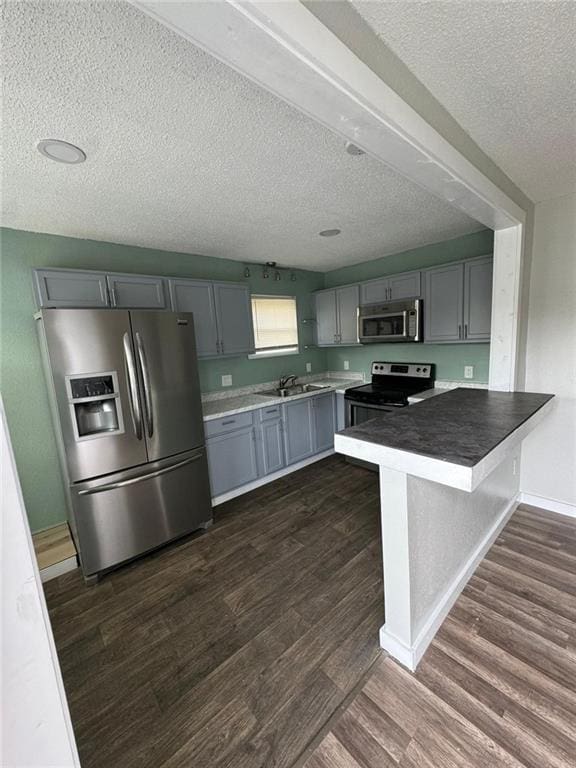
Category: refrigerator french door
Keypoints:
(127, 400)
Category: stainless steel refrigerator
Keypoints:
(125, 396)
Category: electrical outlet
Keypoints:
(468, 371)
(346, 365)
(227, 380)
(308, 367)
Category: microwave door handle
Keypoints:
(146, 384)
(405, 324)
(132, 387)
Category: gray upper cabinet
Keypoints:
(222, 315)
(458, 302)
(298, 430)
(232, 460)
(234, 313)
(137, 292)
(406, 285)
(271, 444)
(337, 316)
(478, 299)
(323, 421)
(70, 288)
(198, 297)
(326, 319)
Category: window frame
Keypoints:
(292, 349)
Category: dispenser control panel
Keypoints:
(95, 405)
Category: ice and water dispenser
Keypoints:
(95, 404)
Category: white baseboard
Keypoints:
(269, 478)
(64, 566)
(410, 656)
(550, 505)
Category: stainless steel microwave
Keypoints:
(396, 321)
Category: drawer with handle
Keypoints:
(228, 423)
(273, 412)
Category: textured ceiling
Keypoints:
(183, 153)
(504, 69)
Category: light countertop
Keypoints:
(239, 403)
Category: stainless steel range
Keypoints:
(391, 386)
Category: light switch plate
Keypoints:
(346, 365)
(308, 367)
(227, 380)
(468, 371)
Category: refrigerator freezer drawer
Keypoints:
(126, 514)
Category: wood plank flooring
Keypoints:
(53, 545)
(497, 687)
(232, 648)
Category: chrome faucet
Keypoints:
(283, 383)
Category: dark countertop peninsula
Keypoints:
(461, 426)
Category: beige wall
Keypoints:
(549, 453)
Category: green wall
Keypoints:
(450, 359)
(22, 380)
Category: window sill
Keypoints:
(274, 353)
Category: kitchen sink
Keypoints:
(296, 389)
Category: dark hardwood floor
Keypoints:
(497, 687)
(235, 647)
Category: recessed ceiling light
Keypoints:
(61, 151)
(329, 232)
(352, 149)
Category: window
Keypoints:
(275, 325)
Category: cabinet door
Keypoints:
(68, 288)
(443, 305)
(477, 299)
(323, 411)
(298, 430)
(347, 300)
(234, 312)
(326, 325)
(404, 286)
(232, 460)
(271, 446)
(374, 292)
(197, 297)
(137, 292)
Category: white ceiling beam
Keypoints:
(285, 49)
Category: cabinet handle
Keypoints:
(230, 421)
(113, 295)
(459, 331)
(272, 410)
(221, 347)
(465, 330)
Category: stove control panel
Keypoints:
(418, 370)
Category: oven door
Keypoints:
(357, 413)
(392, 326)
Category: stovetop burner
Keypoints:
(393, 383)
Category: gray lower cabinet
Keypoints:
(323, 422)
(232, 460)
(137, 292)
(458, 302)
(298, 430)
(270, 439)
(67, 288)
(198, 297)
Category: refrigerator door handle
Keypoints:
(132, 387)
(146, 383)
(140, 478)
